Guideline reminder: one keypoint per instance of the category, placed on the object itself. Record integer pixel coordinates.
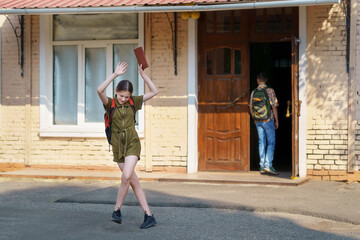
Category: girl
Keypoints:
(124, 139)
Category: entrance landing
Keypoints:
(283, 179)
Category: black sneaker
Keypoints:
(149, 221)
(261, 169)
(271, 170)
(116, 216)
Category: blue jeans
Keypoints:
(266, 132)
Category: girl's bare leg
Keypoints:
(139, 193)
(128, 170)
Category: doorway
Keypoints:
(275, 60)
(233, 46)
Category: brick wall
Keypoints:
(169, 118)
(12, 98)
(327, 90)
(357, 145)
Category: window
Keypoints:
(274, 20)
(223, 22)
(220, 59)
(77, 53)
(223, 61)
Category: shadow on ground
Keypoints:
(66, 211)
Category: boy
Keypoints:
(263, 109)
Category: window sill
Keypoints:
(78, 132)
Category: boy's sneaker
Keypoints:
(271, 170)
(262, 171)
(116, 216)
(149, 221)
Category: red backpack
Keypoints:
(108, 118)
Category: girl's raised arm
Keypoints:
(153, 90)
(120, 70)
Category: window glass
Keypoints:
(288, 19)
(259, 20)
(223, 21)
(210, 62)
(95, 26)
(209, 22)
(125, 52)
(237, 62)
(274, 20)
(65, 85)
(223, 61)
(237, 21)
(95, 74)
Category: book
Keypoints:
(140, 56)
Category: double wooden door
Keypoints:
(224, 82)
(223, 126)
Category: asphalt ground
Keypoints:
(82, 210)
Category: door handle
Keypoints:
(299, 108)
(236, 99)
(288, 109)
(297, 105)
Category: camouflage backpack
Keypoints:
(261, 104)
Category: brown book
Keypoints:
(140, 56)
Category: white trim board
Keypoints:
(192, 158)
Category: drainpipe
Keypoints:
(27, 78)
(195, 8)
(175, 43)
(351, 141)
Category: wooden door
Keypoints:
(223, 125)
(296, 104)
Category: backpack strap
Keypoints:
(268, 97)
(132, 105)
(112, 110)
(267, 94)
(108, 119)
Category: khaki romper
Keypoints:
(124, 138)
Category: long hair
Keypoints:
(124, 85)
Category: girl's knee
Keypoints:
(126, 178)
(134, 182)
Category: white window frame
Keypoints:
(82, 129)
(2, 19)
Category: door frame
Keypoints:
(192, 156)
(302, 90)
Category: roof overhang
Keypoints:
(198, 6)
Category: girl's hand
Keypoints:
(141, 71)
(121, 68)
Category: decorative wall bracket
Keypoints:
(19, 34)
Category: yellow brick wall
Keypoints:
(12, 98)
(169, 118)
(169, 112)
(326, 89)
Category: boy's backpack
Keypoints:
(108, 118)
(261, 104)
